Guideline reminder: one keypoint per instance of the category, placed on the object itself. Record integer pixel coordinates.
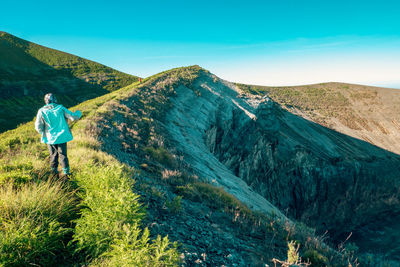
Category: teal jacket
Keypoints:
(51, 123)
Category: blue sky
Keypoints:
(280, 42)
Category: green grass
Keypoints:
(316, 258)
(310, 97)
(136, 249)
(35, 222)
(215, 197)
(108, 204)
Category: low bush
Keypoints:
(160, 155)
(175, 205)
(108, 230)
(315, 258)
(108, 203)
(135, 249)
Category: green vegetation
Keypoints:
(309, 97)
(315, 258)
(159, 154)
(108, 229)
(175, 205)
(215, 197)
(35, 222)
(293, 253)
(132, 250)
(22, 54)
(28, 71)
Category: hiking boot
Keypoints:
(66, 171)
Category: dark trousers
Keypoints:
(58, 153)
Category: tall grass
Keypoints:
(35, 222)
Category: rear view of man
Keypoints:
(51, 123)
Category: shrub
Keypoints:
(134, 249)
(108, 204)
(160, 154)
(315, 258)
(216, 197)
(175, 205)
(109, 227)
(293, 253)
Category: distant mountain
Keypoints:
(28, 71)
(368, 113)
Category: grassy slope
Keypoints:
(106, 223)
(28, 71)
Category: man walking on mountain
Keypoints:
(51, 123)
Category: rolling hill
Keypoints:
(28, 71)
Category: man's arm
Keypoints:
(73, 116)
(39, 123)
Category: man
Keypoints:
(51, 123)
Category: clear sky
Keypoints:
(270, 42)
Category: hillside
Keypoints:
(28, 71)
(234, 178)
